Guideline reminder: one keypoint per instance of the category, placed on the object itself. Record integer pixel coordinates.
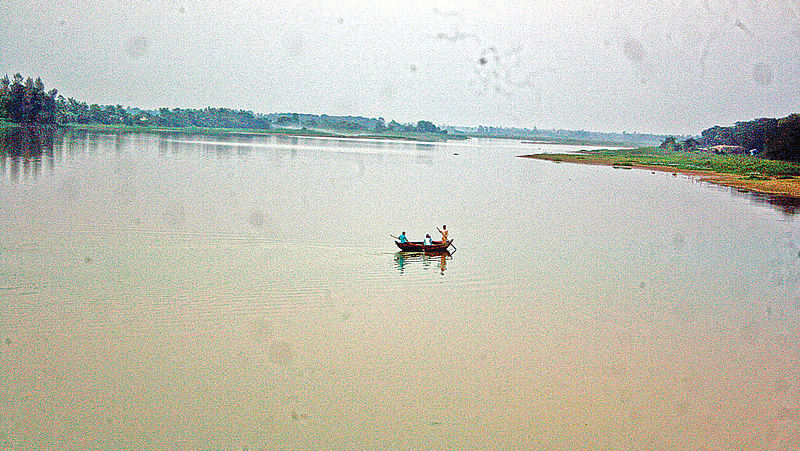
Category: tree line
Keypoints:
(777, 139)
(71, 111)
(561, 134)
(351, 123)
(25, 100)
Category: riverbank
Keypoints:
(739, 171)
(566, 141)
(405, 136)
(116, 128)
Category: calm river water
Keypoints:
(176, 291)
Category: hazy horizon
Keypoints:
(612, 66)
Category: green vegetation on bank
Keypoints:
(742, 165)
(777, 139)
(122, 128)
(26, 102)
(118, 128)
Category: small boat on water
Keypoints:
(419, 246)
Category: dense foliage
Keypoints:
(747, 134)
(777, 139)
(350, 123)
(71, 111)
(783, 143)
(26, 101)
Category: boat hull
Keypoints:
(417, 246)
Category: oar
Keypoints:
(394, 237)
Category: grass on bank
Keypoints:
(742, 172)
(742, 165)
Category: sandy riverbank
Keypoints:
(764, 184)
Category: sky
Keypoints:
(603, 65)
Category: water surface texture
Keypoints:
(177, 291)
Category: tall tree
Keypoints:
(783, 142)
(25, 100)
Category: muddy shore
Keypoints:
(771, 185)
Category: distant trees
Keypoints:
(783, 143)
(75, 112)
(206, 117)
(670, 142)
(350, 123)
(25, 100)
(72, 111)
(421, 127)
(673, 144)
(427, 127)
(777, 139)
(747, 134)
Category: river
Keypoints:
(192, 291)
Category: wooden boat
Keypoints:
(418, 246)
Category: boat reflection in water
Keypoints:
(439, 258)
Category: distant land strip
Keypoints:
(744, 172)
(399, 135)
(26, 102)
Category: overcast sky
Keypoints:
(605, 65)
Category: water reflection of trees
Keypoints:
(785, 204)
(175, 143)
(24, 150)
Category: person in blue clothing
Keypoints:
(427, 241)
(402, 237)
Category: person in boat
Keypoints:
(443, 231)
(427, 241)
(402, 237)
